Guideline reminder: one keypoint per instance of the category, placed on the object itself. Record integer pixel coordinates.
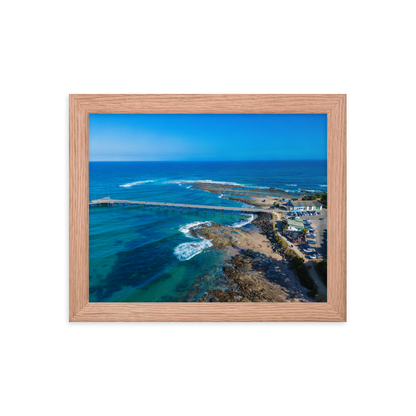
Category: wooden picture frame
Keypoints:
(81, 310)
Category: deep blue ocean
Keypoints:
(141, 254)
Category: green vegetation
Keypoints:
(300, 268)
(321, 268)
(318, 196)
(304, 278)
(282, 243)
(305, 231)
(311, 197)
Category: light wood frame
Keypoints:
(81, 310)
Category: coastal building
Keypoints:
(304, 205)
(295, 225)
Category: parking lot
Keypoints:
(319, 225)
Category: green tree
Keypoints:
(322, 268)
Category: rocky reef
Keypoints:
(243, 191)
(221, 236)
(253, 277)
(256, 272)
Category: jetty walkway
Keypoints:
(167, 205)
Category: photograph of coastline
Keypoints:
(207, 207)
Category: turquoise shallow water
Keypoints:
(146, 255)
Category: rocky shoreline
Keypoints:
(221, 236)
(252, 274)
(256, 272)
(252, 277)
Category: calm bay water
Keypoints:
(145, 254)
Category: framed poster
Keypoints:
(207, 208)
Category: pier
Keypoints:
(106, 202)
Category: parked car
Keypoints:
(311, 241)
(309, 250)
(321, 218)
(312, 256)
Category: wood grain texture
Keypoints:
(337, 207)
(225, 103)
(78, 208)
(80, 310)
(207, 312)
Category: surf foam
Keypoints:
(242, 223)
(127, 185)
(185, 228)
(186, 251)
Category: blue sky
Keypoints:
(199, 137)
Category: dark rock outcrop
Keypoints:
(253, 277)
(221, 236)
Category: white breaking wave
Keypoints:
(185, 228)
(220, 196)
(210, 181)
(189, 187)
(323, 186)
(127, 185)
(247, 205)
(242, 223)
(291, 184)
(186, 251)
